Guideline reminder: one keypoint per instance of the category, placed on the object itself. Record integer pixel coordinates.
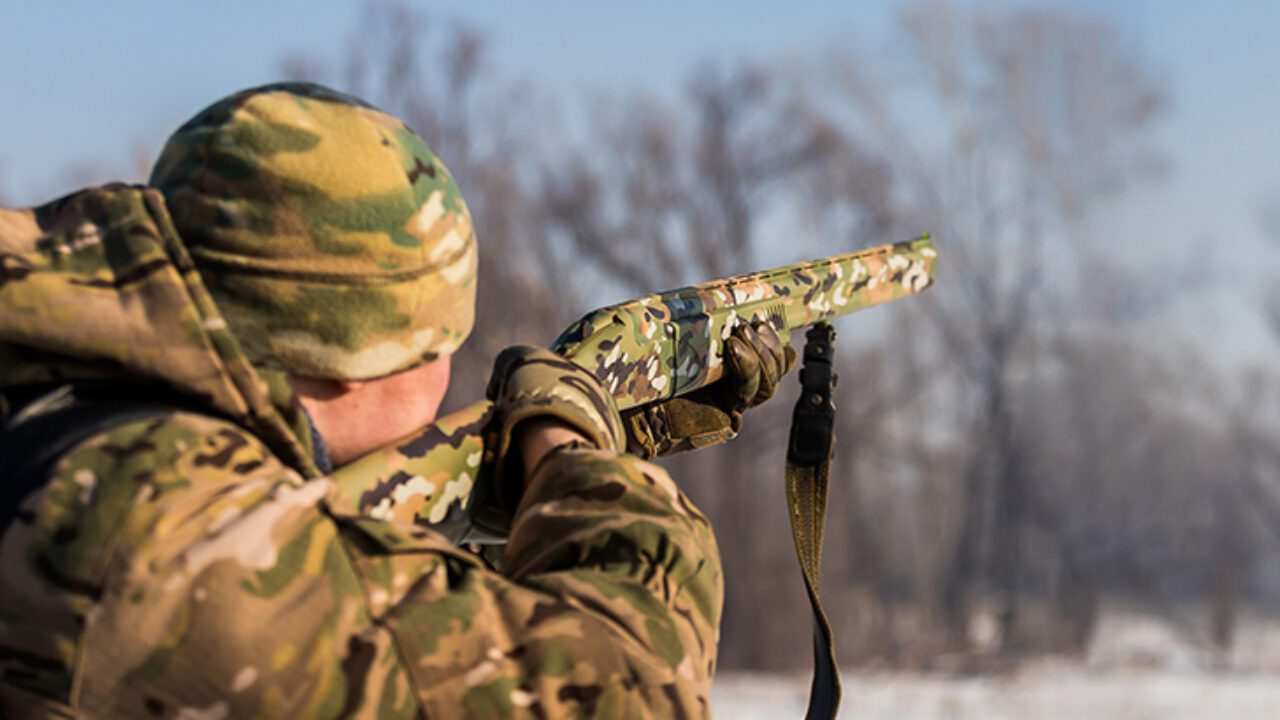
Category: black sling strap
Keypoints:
(808, 462)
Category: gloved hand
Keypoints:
(755, 359)
(536, 384)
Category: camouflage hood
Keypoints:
(97, 286)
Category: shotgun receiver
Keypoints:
(645, 350)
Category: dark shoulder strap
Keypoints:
(51, 423)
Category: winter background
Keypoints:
(1056, 481)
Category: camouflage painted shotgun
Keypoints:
(645, 350)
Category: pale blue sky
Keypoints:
(86, 81)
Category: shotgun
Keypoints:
(645, 350)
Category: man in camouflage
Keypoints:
(181, 398)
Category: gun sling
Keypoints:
(808, 462)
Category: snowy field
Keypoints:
(1137, 668)
(1043, 692)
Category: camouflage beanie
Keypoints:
(326, 226)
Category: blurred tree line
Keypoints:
(1017, 446)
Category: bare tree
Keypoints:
(1041, 116)
(667, 195)
(1268, 218)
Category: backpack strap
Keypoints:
(53, 421)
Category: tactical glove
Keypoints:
(532, 383)
(755, 359)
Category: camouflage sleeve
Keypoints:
(174, 568)
(610, 602)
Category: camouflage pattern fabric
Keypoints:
(326, 222)
(436, 477)
(196, 565)
(97, 286)
(174, 568)
(755, 359)
(529, 383)
(667, 344)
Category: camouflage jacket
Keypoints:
(196, 564)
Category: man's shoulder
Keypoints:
(137, 467)
(79, 433)
(105, 497)
(146, 441)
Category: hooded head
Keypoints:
(326, 227)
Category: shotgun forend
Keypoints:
(659, 346)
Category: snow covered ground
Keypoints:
(1045, 691)
(1137, 668)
